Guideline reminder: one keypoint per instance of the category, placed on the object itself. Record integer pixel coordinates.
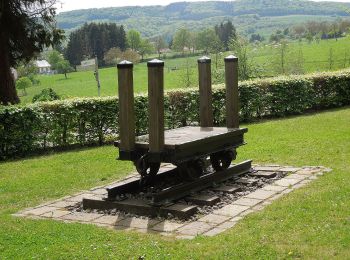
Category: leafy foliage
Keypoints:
(226, 32)
(94, 120)
(115, 55)
(23, 83)
(30, 70)
(181, 40)
(26, 28)
(47, 94)
(134, 40)
(94, 40)
(58, 63)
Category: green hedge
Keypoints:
(89, 121)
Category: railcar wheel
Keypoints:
(222, 160)
(146, 169)
(192, 170)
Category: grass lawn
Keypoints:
(83, 84)
(316, 56)
(312, 222)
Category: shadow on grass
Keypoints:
(56, 150)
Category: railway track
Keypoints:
(170, 196)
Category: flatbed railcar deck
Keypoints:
(188, 143)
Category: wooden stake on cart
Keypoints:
(205, 95)
(126, 106)
(232, 99)
(156, 105)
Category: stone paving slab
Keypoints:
(195, 228)
(81, 216)
(167, 226)
(231, 210)
(214, 219)
(209, 225)
(261, 194)
(287, 182)
(274, 188)
(247, 202)
(39, 211)
(141, 223)
(56, 213)
(107, 219)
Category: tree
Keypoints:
(246, 68)
(94, 40)
(63, 67)
(207, 40)
(28, 69)
(134, 40)
(131, 55)
(181, 40)
(115, 55)
(112, 56)
(159, 44)
(58, 63)
(187, 76)
(54, 57)
(26, 28)
(23, 83)
(145, 48)
(225, 31)
(256, 38)
(281, 58)
(296, 61)
(330, 58)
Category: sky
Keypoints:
(68, 5)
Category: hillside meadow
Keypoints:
(316, 56)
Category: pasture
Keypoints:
(316, 57)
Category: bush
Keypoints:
(47, 94)
(88, 121)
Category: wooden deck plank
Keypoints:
(188, 134)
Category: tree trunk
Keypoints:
(8, 93)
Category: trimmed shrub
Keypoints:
(94, 121)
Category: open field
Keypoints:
(83, 84)
(316, 56)
(312, 222)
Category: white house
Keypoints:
(43, 66)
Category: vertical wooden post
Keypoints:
(232, 99)
(126, 106)
(97, 77)
(205, 95)
(156, 105)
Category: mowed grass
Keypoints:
(316, 55)
(83, 84)
(312, 222)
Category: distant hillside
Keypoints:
(248, 15)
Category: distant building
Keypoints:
(43, 66)
(87, 65)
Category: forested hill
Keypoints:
(153, 20)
